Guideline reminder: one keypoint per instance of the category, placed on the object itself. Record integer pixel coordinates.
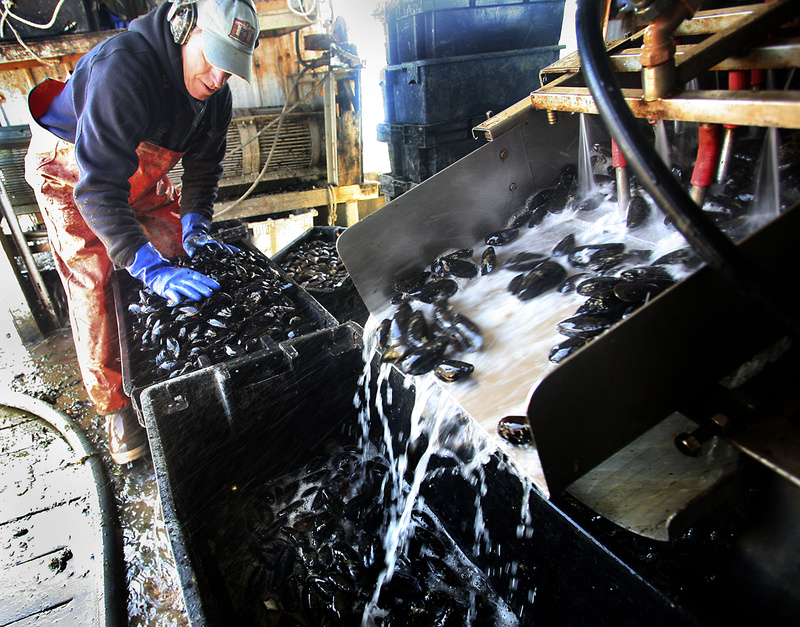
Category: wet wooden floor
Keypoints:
(51, 549)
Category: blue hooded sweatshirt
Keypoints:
(127, 90)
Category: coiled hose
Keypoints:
(713, 246)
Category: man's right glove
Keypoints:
(175, 284)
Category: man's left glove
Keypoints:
(196, 235)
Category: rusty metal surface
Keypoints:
(733, 40)
(745, 108)
(770, 56)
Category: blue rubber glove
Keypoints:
(175, 284)
(196, 234)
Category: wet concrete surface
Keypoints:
(153, 589)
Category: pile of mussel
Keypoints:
(315, 265)
(417, 343)
(307, 549)
(254, 306)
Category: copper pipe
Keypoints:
(658, 49)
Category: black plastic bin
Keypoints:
(137, 372)
(218, 433)
(433, 29)
(343, 303)
(457, 88)
(418, 151)
(239, 424)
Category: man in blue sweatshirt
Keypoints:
(101, 147)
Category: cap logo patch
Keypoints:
(243, 32)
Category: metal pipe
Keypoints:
(698, 229)
(658, 49)
(30, 263)
(737, 80)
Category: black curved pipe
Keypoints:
(114, 586)
(702, 234)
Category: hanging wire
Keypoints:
(279, 120)
(7, 5)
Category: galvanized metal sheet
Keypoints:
(456, 207)
(631, 377)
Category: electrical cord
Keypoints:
(719, 252)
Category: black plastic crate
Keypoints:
(344, 302)
(417, 152)
(138, 372)
(219, 434)
(393, 186)
(456, 88)
(235, 425)
(434, 29)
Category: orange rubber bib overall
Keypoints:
(81, 258)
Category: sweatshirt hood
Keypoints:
(154, 27)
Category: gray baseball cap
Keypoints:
(230, 34)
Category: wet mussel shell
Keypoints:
(451, 370)
(544, 277)
(515, 429)
(488, 260)
(501, 238)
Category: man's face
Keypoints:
(202, 79)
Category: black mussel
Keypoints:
(382, 333)
(422, 359)
(400, 320)
(544, 277)
(536, 200)
(564, 349)
(604, 264)
(515, 284)
(649, 273)
(558, 200)
(515, 429)
(683, 256)
(568, 178)
(591, 203)
(537, 216)
(638, 212)
(412, 284)
(488, 260)
(459, 267)
(461, 253)
(603, 302)
(466, 334)
(582, 256)
(568, 284)
(565, 246)
(443, 318)
(417, 330)
(523, 261)
(519, 218)
(451, 370)
(641, 290)
(441, 287)
(586, 325)
(501, 238)
(596, 283)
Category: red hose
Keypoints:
(705, 166)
